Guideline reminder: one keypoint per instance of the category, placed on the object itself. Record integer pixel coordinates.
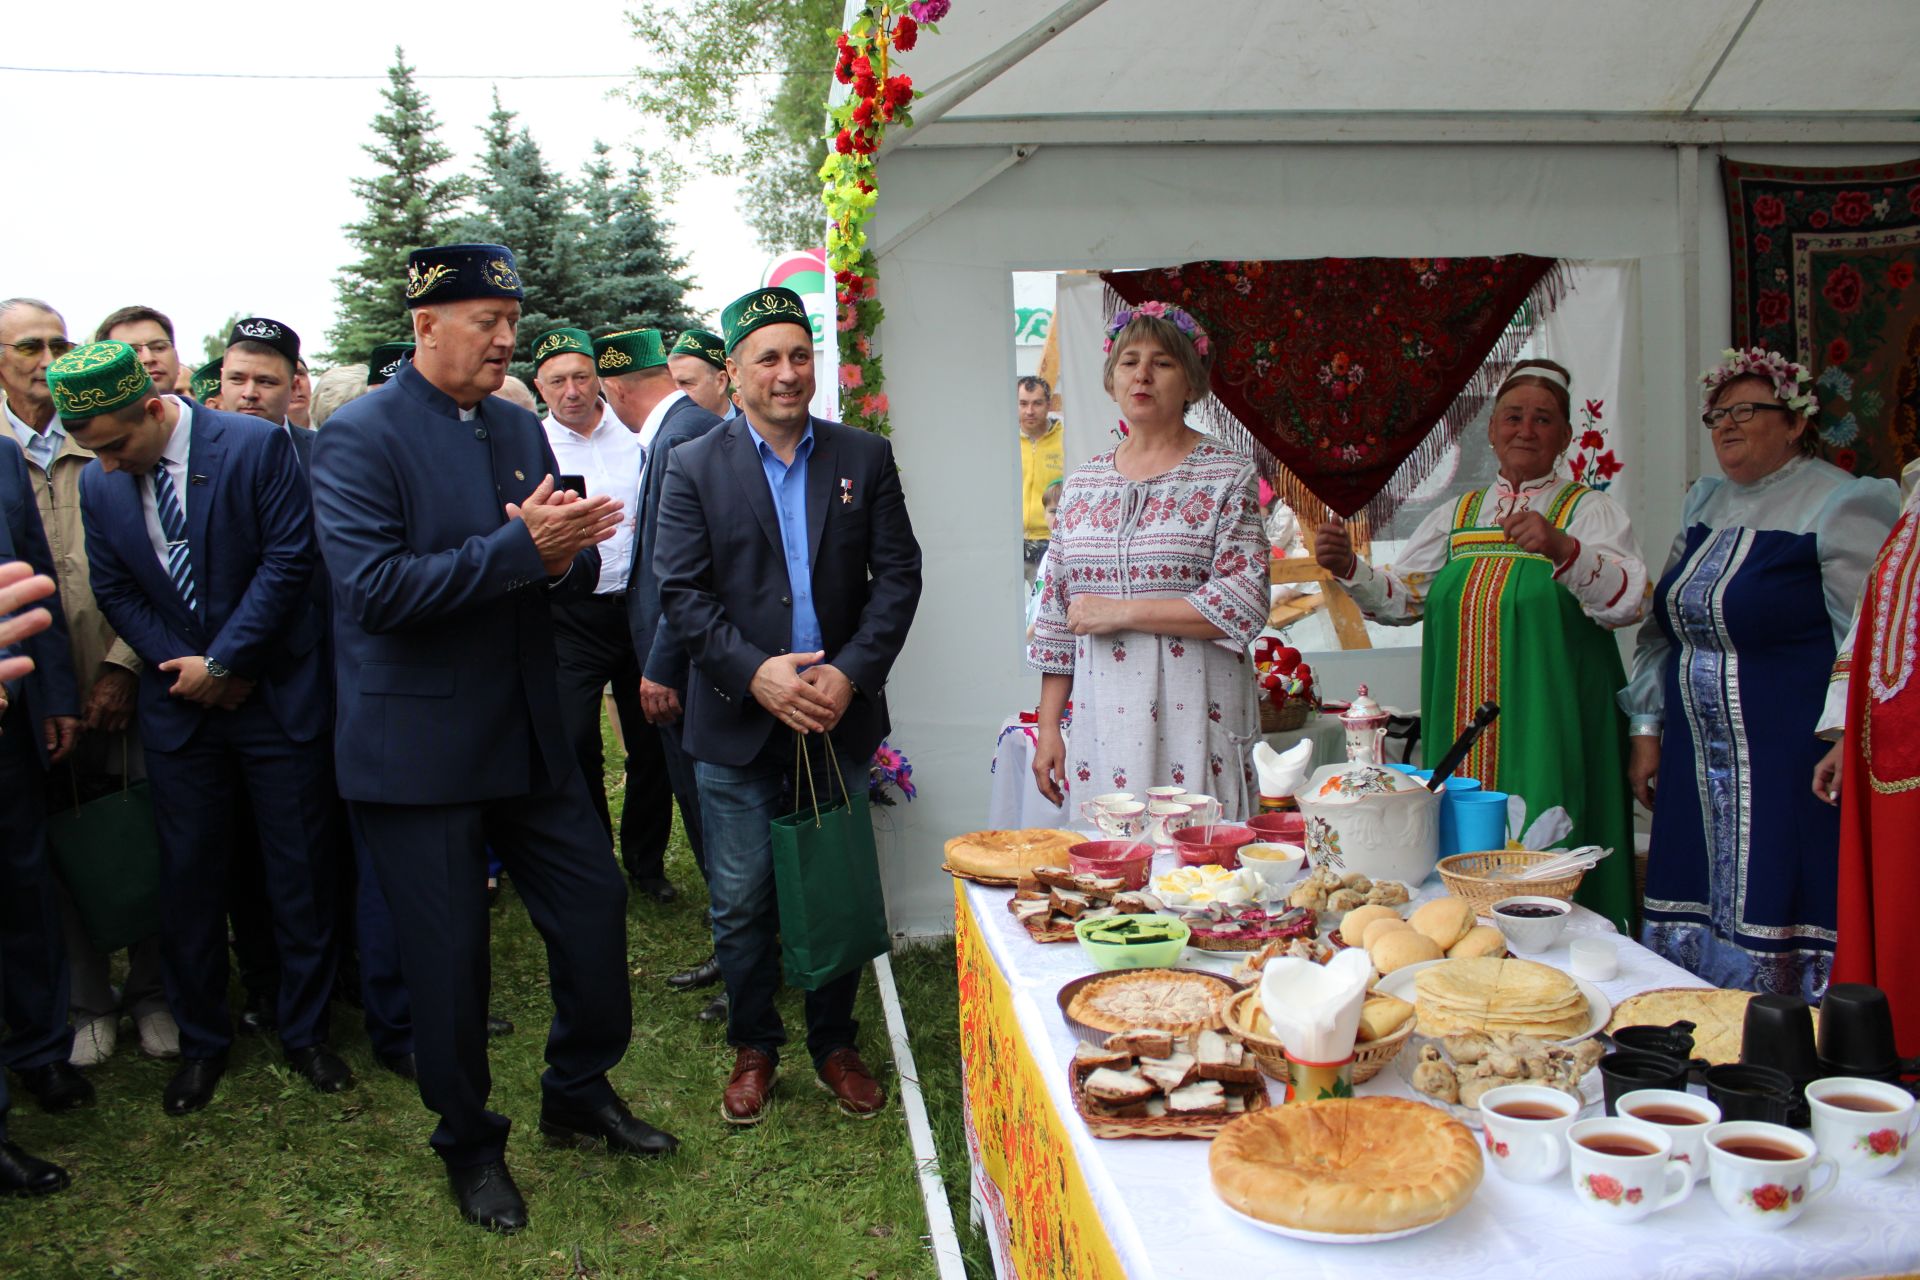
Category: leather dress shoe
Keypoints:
(612, 1124)
(658, 888)
(488, 1197)
(258, 1015)
(322, 1068)
(848, 1080)
(192, 1085)
(704, 974)
(401, 1064)
(58, 1086)
(748, 1088)
(715, 1011)
(498, 1026)
(25, 1175)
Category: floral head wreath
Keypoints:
(1174, 316)
(1790, 381)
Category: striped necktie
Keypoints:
(39, 447)
(173, 522)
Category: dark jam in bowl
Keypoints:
(1530, 911)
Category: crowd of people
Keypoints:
(1783, 756)
(355, 631)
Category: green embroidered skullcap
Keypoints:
(206, 380)
(95, 379)
(629, 352)
(384, 361)
(561, 342)
(698, 342)
(762, 307)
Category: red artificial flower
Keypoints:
(1843, 288)
(1592, 440)
(843, 72)
(1851, 208)
(1606, 466)
(1845, 459)
(863, 144)
(1817, 219)
(899, 91)
(863, 112)
(905, 32)
(863, 66)
(1593, 409)
(1883, 1142)
(1769, 1196)
(841, 277)
(1773, 308)
(1762, 242)
(1769, 211)
(865, 85)
(1900, 274)
(843, 141)
(1838, 350)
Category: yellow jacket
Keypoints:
(1042, 462)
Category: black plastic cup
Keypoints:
(1673, 1041)
(1856, 1031)
(1779, 1034)
(1626, 1070)
(1746, 1092)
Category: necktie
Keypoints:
(173, 522)
(39, 447)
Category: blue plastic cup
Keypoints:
(1479, 821)
(1412, 771)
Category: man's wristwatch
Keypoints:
(216, 670)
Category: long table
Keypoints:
(1063, 1205)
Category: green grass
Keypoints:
(275, 1180)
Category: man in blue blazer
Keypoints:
(199, 539)
(788, 568)
(39, 724)
(444, 536)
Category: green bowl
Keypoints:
(1134, 955)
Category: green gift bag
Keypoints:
(107, 853)
(833, 913)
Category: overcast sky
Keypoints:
(202, 197)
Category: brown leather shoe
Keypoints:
(748, 1088)
(852, 1085)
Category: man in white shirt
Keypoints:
(594, 446)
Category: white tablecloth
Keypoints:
(1163, 1220)
(1015, 802)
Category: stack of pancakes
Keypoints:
(1498, 994)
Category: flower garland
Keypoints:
(1790, 380)
(878, 99)
(1174, 316)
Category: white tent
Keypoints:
(1133, 133)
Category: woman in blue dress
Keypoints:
(1729, 684)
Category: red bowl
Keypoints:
(1131, 860)
(1218, 843)
(1285, 828)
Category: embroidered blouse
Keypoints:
(1833, 720)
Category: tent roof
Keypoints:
(1388, 70)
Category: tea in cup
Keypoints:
(1863, 1126)
(1526, 1130)
(1684, 1118)
(1623, 1169)
(1764, 1174)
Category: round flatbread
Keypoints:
(1719, 1017)
(1008, 855)
(1347, 1166)
(1499, 994)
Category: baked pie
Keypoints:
(1008, 855)
(1161, 999)
(1719, 1017)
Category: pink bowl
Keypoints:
(1131, 860)
(1217, 842)
(1282, 828)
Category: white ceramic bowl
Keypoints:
(1275, 864)
(1529, 935)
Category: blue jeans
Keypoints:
(737, 803)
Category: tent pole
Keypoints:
(949, 94)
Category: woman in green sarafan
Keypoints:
(1521, 586)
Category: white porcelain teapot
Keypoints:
(1363, 816)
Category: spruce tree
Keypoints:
(407, 207)
(630, 277)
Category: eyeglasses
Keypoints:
(158, 347)
(30, 348)
(1738, 413)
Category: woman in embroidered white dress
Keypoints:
(1159, 587)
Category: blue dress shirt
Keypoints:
(788, 482)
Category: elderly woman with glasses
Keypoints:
(1729, 685)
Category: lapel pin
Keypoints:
(846, 491)
(518, 474)
(199, 479)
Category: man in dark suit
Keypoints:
(793, 618)
(39, 724)
(445, 536)
(199, 538)
(22, 1174)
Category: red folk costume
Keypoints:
(1874, 684)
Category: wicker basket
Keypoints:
(1369, 1059)
(1469, 876)
(1101, 1125)
(1286, 718)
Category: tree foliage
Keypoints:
(632, 279)
(406, 206)
(745, 82)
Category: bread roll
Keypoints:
(1398, 948)
(1445, 920)
(1481, 940)
(1353, 925)
(1377, 929)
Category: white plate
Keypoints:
(1327, 1237)
(1592, 1088)
(1599, 1008)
